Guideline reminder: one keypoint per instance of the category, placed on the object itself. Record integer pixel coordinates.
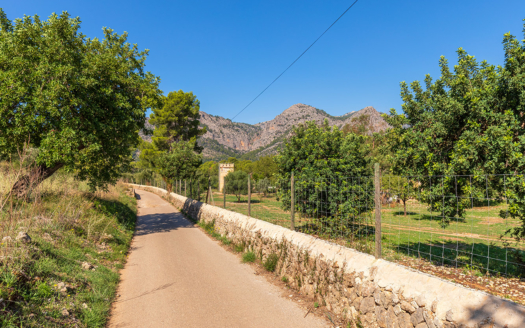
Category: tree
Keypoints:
(265, 167)
(400, 187)
(246, 166)
(177, 120)
(236, 183)
(210, 170)
(329, 168)
(262, 186)
(180, 163)
(80, 102)
(461, 130)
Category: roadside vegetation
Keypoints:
(61, 249)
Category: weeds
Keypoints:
(248, 257)
(239, 248)
(284, 279)
(271, 262)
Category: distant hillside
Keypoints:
(252, 141)
(225, 138)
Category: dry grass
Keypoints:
(43, 283)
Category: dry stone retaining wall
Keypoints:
(354, 285)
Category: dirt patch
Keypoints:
(492, 220)
(451, 238)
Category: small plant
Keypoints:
(248, 257)
(316, 305)
(239, 248)
(225, 240)
(284, 279)
(271, 262)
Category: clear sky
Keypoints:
(226, 52)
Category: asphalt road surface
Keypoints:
(176, 276)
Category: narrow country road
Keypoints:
(176, 276)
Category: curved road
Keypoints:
(176, 276)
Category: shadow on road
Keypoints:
(161, 222)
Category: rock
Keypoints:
(421, 300)
(84, 305)
(414, 304)
(65, 312)
(395, 298)
(369, 320)
(404, 320)
(438, 323)
(429, 319)
(87, 266)
(447, 324)
(405, 306)
(7, 239)
(357, 302)
(373, 273)
(397, 309)
(352, 313)
(367, 305)
(377, 297)
(391, 318)
(450, 315)
(387, 299)
(422, 325)
(47, 237)
(417, 317)
(380, 314)
(434, 305)
(23, 237)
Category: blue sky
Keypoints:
(226, 52)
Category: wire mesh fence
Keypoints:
(455, 221)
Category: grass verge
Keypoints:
(67, 275)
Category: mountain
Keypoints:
(225, 138)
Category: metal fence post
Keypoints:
(377, 199)
(249, 197)
(292, 203)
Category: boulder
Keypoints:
(23, 237)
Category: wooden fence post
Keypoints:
(377, 199)
(224, 196)
(185, 189)
(292, 203)
(249, 197)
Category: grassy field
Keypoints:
(68, 274)
(474, 242)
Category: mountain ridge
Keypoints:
(243, 138)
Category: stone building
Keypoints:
(224, 169)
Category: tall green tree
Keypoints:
(460, 130)
(177, 120)
(79, 101)
(331, 170)
(181, 162)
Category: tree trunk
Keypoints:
(405, 206)
(25, 183)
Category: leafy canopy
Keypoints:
(79, 101)
(236, 183)
(469, 122)
(329, 168)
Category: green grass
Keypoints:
(474, 241)
(72, 226)
(270, 264)
(248, 257)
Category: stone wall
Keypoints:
(354, 285)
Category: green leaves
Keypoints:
(79, 101)
(468, 122)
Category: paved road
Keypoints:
(176, 276)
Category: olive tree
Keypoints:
(79, 102)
